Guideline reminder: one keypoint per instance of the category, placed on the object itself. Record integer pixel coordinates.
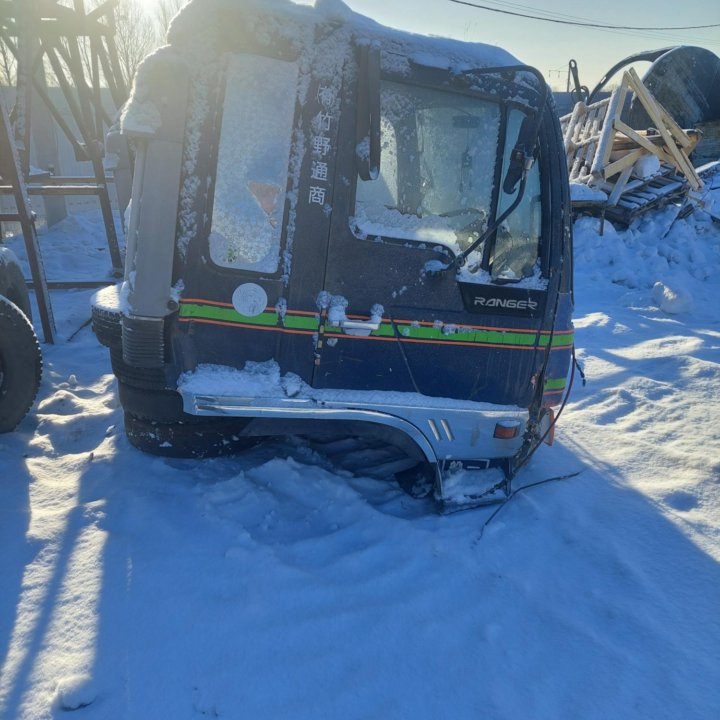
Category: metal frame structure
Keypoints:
(11, 173)
(48, 34)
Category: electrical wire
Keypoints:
(581, 24)
(519, 490)
(550, 14)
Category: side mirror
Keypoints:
(367, 149)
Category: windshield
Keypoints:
(442, 153)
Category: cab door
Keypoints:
(255, 269)
(390, 322)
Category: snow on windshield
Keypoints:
(253, 163)
(437, 175)
(246, 229)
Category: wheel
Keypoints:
(163, 406)
(20, 365)
(12, 282)
(152, 379)
(107, 327)
(210, 437)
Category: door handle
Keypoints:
(371, 324)
(338, 318)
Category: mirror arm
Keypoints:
(368, 112)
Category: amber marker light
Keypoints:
(507, 429)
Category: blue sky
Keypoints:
(549, 46)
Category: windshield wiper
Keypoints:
(459, 260)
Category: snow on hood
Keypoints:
(141, 115)
(199, 16)
(204, 31)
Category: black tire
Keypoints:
(162, 406)
(107, 327)
(12, 282)
(142, 378)
(206, 438)
(20, 365)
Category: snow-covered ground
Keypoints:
(268, 586)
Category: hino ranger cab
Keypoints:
(338, 230)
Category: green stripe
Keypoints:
(266, 319)
(485, 337)
(555, 384)
(211, 312)
(300, 322)
(386, 329)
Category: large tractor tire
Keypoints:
(12, 282)
(20, 365)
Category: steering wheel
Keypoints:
(466, 232)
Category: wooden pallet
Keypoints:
(650, 195)
(602, 152)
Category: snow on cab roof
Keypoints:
(200, 19)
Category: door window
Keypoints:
(436, 186)
(253, 159)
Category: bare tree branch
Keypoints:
(165, 11)
(135, 36)
(8, 65)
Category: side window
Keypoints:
(253, 159)
(518, 239)
(439, 152)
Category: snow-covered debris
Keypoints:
(657, 247)
(581, 191)
(74, 692)
(671, 300)
(646, 167)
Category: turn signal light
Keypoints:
(507, 429)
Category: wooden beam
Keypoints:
(668, 129)
(617, 100)
(641, 140)
(620, 185)
(627, 161)
(654, 108)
